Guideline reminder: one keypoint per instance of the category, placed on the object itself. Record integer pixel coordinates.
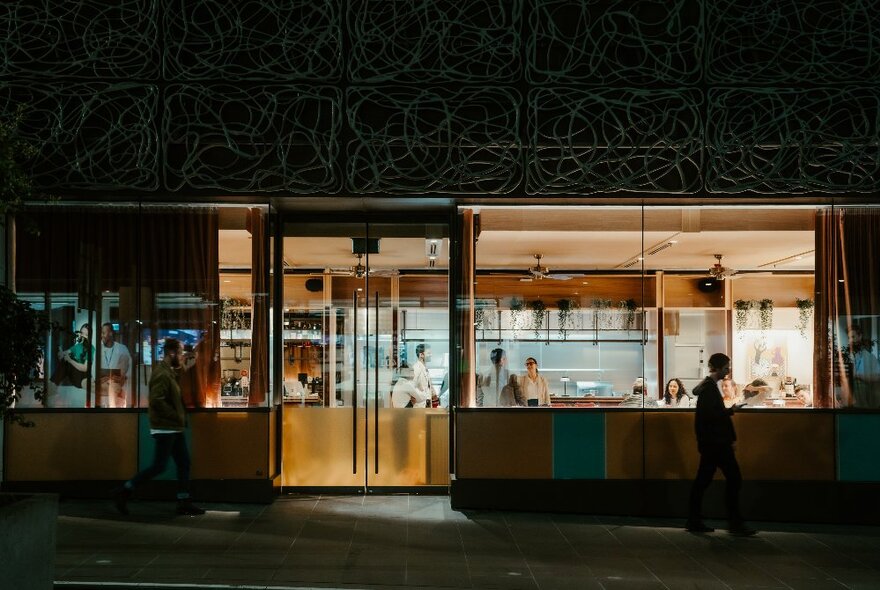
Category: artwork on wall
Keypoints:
(767, 355)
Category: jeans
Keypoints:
(171, 445)
(712, 458)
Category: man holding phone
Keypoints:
(716, 439)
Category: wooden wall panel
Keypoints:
(670, 445)
(786, 446)
(230, 445)
(681, 291)
(782, 289)
(74, 446)
(504, 445)
(615, 288)
(623, 444)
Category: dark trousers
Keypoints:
(170, 445)
(712, 458)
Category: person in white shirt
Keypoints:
(675, 395)
(421, 377)
(866, 371)
(535, 391)
(115, 380)
(493, 381)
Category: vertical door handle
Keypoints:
(376, 392)
(354, 434)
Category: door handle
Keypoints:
(376, 391)
(354, 435)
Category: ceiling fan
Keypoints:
(359, 270)
(539, 272)
(719, 272)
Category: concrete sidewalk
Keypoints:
(404, 541)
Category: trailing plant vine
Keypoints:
(628, 309)
(805, 312)
(742, 307)
(564, 314)
(538, 309)
(765, 310)
(516, 308)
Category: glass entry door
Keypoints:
(365, 355)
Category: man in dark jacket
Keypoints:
(167, 425)
(716, 439)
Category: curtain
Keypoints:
(847, 307)
(259, 381)
(179, 271)
(465, 309)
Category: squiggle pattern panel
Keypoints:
(82, 39)
(256, 138)
(615, 42)
(771, 140)
(768, 41)
(423, 41)
(614, 140)
(90, 135)
(410, 140)
(253, 40)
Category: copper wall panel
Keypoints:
(670, 445)
(785, 446)
(229, 445)
(623, 445)
(504, 445)
(75, 446)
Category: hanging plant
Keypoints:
(233, 314)
(565, 307)
(516, 309)
(805, 312)
(601, 313)
(765, 309)
(628, 309)
(742, 307)
(538, 309)
(479, 313)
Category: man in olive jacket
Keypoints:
(167, 427)
(716, 439)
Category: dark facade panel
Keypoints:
(409, 140)
(79, 39)
(583, 141)
(615, 42)
(90, 135)
(461, 42)
(251, 138)
(792, 42)
(275, 40)
(780, 141)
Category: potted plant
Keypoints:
(765, 310)
(516, 308)
(805, 312)
(743, 308)
(538, 309)
(565, 307)
(628, 309)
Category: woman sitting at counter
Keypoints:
(535, 391)
(675, 395)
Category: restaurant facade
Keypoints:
(324, 201)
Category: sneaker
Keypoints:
(188, 508)
(743, 531)
(698, 527)
(120, 499)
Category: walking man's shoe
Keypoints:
(743, 531)
(187, 508)
(698, 527)
(120, 499)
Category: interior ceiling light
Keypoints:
(787, 259)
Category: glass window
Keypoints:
(117, 281)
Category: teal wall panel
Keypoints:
(579, 446)
(146, 449)
(858, 442)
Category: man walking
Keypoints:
(716, 438)
(167, 424)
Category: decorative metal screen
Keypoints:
(394, 97)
